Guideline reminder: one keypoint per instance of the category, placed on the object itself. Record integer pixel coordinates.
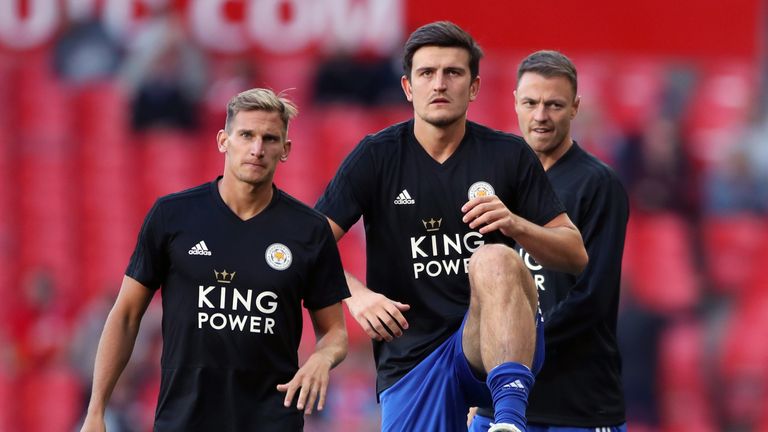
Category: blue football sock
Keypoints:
(510, 384)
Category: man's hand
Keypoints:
(489, 214)
(471, 415)
(312, 379)
(93, 423)
(380, 317)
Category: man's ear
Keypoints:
(575, 110)
(286, 151)
(221, 140)
(406, 85)
(474, 88)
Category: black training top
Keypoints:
(232, 293)
(417, 246)
(580, 383)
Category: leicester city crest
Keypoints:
(479, 189)
(278, 256)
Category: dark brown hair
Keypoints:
(442, 34)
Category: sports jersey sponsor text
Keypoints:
(235, 307)
(449, 253)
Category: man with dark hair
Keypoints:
(579, 388)
(450, 304)
(234, 258)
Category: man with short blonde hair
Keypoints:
(235, 259)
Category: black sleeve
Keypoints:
(595, 293)
(327, 284)
(348, 194)
(536, 199)
(149, 262)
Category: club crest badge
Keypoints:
(479, 189)
(278, 256)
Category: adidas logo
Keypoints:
(200, 249)
(404, 198)
(514, 384)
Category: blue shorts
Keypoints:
(437, 393)
(482, 424)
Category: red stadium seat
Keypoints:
(495, 104)
(50, 400)
(720, 108)
(338, 129)
(101, 115)
(298, 176)
(43, 104)
(293, 73)
(734, 250)
(43, 161)
(7, 110)
(168, 163)
(743, 363)
(8, 409)
(634, 92)
(685, 402)
(9, 220)
(48, 218)
(658, 262)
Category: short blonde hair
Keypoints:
(259, 99)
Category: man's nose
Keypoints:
(257, 147)
(540, 113)
(440, 82)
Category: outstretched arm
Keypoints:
(380, 317)
(115, 347)
(331, 348)
(556, 245)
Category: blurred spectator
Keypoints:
(654, 168)
(732, 185)
(651, 158)
(46, 390)
(165, 73)
(85, 52)
(358, 80)
(756, 151)
(40, 326)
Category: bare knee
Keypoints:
(495, 260)
(497, 272)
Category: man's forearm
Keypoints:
(557, 248)
(333, 346)
(355, 285)
(114, 351)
